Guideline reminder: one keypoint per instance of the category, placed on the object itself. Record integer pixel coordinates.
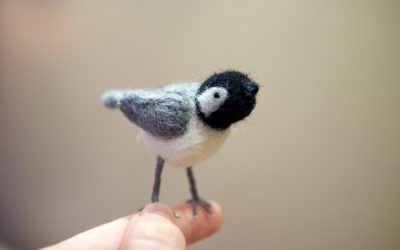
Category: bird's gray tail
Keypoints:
(112, 98)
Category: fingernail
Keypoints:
(157, 208)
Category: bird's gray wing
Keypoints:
(162, 113)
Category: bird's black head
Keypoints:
(225, 98)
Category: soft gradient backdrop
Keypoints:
(316, 166)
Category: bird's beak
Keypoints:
(252, 88)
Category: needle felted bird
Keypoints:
(183, 124)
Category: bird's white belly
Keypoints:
(196, 145)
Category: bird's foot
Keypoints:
(205, 204)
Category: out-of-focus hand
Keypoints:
(155, 227)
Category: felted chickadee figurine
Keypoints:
(183, 124)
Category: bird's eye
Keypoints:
(216, 95)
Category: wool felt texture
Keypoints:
(184, 124)
(188, 122)
(162, 112)
(211, 99)
(241, 90)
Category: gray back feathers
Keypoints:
(162, 112)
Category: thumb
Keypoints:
(153, 228)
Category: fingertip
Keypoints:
(158, 208)
(156, 225)
(202, 225)
(218, 216)
(216, 210)
(153, 228)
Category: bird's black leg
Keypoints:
(157, 180)
(196, 200)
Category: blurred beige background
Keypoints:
(317, 166)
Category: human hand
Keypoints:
(155, 227)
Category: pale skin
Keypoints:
(157, 226)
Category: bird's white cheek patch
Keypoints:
(211, 99)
